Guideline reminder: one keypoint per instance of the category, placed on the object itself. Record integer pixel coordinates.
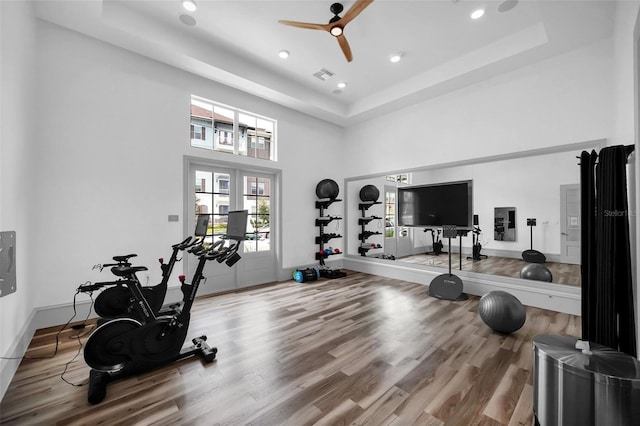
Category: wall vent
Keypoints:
(324, 74)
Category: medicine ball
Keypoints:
(369, 193)
(327, 188)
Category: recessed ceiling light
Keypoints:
(507, 5)
(395, 57)
(189, 5)
(187, 19)
(284, 54)
(342, 84)
(477, 14)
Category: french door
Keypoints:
(215, 191)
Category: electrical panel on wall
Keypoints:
(7, 263)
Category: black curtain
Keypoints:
(607, 293)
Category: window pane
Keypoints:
(247, 135)
(390, 214)
(256, 200)
(201, 124)
(223, 123)
(212, 198)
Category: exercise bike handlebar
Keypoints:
(184, 243)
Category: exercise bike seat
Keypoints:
(123, 258)
(124, 271)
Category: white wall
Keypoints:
(18, 117)
(112, 135)
(561, 100)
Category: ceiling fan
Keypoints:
(336, 25)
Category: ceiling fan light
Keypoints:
(189, 5)
(336, 31)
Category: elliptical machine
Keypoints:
(123, 347)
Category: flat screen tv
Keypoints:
(436, 205)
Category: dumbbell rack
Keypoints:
(322, 221)
(363, 221)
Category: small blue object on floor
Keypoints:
(536, 271)
(501, 311)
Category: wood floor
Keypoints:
(563, 273)
(357, 350)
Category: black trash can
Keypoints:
(571, 387)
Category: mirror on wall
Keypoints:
(504, 224)
(505, 187)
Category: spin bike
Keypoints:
(123, 347)
(117, 300)
(437, 243)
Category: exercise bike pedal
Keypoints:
(97, 386)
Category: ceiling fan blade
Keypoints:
(345, 47)
(354, 11)
(307, 25)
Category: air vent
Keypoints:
(324, 74)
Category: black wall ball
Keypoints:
(369, 193)
(327, 188)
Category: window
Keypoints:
(226, 129)
(198, 132)
(223, 184)
(257, 188)
(401, 178)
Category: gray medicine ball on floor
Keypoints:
(537, 272)
(501, 311)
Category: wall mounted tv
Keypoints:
(436, 205)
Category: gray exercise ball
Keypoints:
(501, 311)
(537, 272)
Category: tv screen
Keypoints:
(436, 205)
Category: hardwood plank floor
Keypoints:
(563, 273)
(357, 350)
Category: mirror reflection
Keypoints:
(529, 186)
(504, 224)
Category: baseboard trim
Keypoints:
(554, 297)
(8, 367)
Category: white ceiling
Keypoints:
(236, 42)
